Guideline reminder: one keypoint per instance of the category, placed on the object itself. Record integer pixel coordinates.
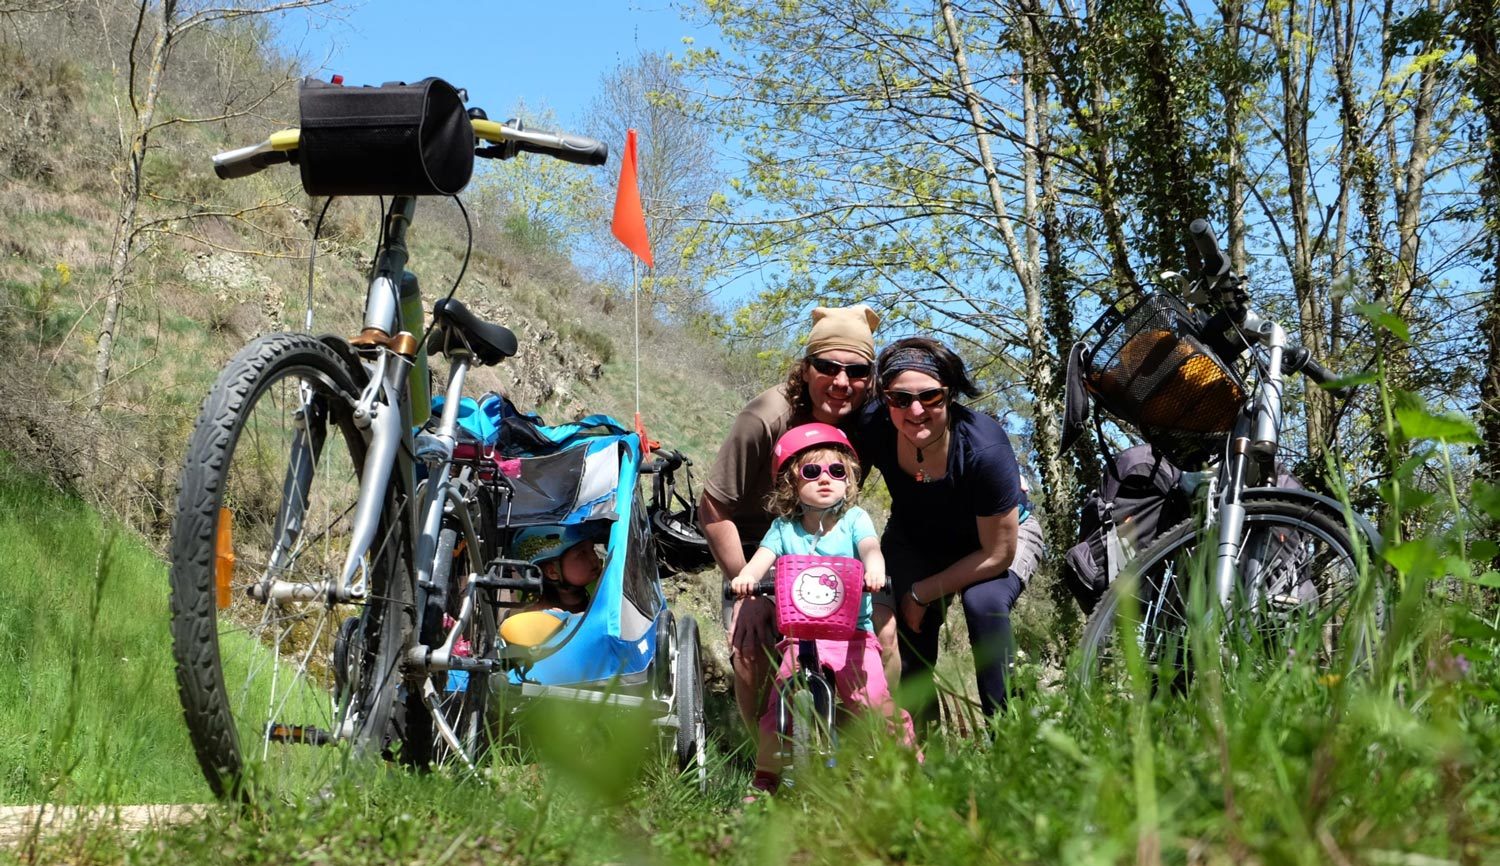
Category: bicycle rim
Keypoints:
(1298, 599)
(454, 718)
(271, 686)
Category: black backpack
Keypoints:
(1139, 497)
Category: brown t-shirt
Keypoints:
(741, 477)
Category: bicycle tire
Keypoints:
(463, 697)
(692, 729)
(1304, 570)
(271, 474)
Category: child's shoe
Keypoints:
(763, 785)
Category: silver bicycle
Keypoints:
(1286, 570)
(326, 548)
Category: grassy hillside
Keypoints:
(90, 711)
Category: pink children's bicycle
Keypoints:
(817, 598)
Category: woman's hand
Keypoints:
(912, 613)
(874, 562)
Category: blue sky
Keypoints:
(502, 51)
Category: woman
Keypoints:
(959, 520)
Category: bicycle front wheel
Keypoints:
(1297, 599)
(272, 667)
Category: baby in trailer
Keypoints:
(817, 479)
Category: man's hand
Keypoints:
(754, 626)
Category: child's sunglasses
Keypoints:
(811, 471)
(929, 398)
(859, 370)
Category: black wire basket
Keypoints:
(1150, 369)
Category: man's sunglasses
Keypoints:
(860, 370)
(929, 398)
(836, 471)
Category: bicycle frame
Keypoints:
(1252, 449)
(383, 414)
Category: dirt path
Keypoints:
(17, 822)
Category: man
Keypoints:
(829, 384)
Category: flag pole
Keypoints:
(635, 292)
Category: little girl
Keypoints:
(816, 480)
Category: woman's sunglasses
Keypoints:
(929, 398)
(836, 471)
(860, 370)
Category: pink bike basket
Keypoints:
(818, 596)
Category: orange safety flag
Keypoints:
(647, 443)
(630, 221)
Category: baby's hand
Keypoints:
(742, 585)
(874, 580)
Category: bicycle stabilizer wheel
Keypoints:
(268, 672)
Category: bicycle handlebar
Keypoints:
(279, 148)
(505, 142)
(1300, 359)
(569, 148)
(766, 588)
(1215, 265)
(666, 460)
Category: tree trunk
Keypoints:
(135, 141)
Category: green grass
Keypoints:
(91, 712)
(1252, 763)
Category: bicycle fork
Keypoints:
(812, 706)
(381, 422)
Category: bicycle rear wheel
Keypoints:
(691, 735)
(1297, 600)
(450, 722)
(267, 499)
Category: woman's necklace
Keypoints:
(922, 476)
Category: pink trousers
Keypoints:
(857, 677)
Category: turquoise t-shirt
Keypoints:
(786, 536)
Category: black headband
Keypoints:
(909, 358)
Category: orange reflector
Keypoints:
(224, 558)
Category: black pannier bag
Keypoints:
(395, 139)
(1138, 498)
(1142, 496)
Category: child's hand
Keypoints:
(874, 580)
(742, 585)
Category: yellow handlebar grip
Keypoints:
(285, 139)
(489, 130)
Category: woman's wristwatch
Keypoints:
(913, 593)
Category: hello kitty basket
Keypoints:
(818, 596)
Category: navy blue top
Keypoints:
(938, 516)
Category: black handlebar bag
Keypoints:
(395, 139)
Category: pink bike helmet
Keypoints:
(803, 437)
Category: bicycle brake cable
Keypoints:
(468, 245)
(312, 258)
